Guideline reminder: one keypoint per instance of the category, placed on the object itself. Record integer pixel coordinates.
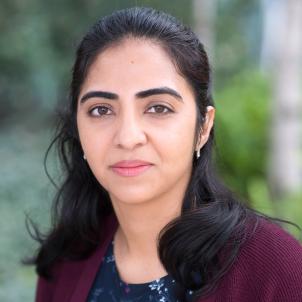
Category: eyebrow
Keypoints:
(140, 94)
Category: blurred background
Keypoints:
(255, 49)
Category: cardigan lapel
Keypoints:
(78, 276)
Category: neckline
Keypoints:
(160, 280)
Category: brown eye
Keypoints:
(100, 111)
(159, 109)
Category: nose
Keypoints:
(129, 133)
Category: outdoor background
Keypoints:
(255, 49)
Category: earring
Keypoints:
(84, 156)
(198, 153)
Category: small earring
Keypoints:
(198, 153)
(84, 156)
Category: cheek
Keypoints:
(179, 147)
(84, 135)
(96, 148)
(177, 140)
(93, 141)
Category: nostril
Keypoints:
(130, 135)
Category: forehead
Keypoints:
(134, 64)
(135, 53)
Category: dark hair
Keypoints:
(198, 247)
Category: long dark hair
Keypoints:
(192, 247)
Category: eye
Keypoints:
(100, 111)
(159, 109)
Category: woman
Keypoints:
(140, 215)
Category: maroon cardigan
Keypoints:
(268, 268)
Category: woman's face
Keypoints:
(136, 119)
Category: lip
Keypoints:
(130, 164)
(131, 167)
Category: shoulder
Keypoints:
(272, 247)
(66, 274)
(268, 265)
(46, 286)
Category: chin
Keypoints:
(132, 196)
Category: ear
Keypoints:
(206, 127)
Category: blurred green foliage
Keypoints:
(23, 188)
(242, 124)
(38, 41)
(37, 45)
(242, 145)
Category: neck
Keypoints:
(136, 240)
(140, 225)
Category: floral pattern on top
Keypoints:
(109, 287)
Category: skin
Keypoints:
(159, 129)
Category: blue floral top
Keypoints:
(109, 287)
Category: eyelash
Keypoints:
(167, 110)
